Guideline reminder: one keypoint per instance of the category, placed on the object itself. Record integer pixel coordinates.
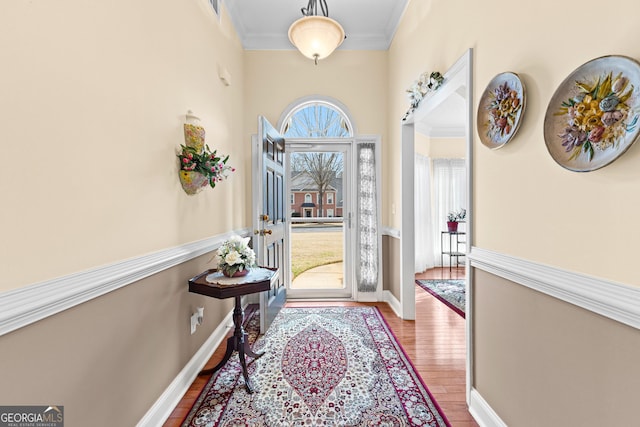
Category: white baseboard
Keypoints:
(393, 302)
(167, 402)
(27, 305)
(613, 300)
(367, 297)
(480, 410)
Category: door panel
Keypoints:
(269, 220)
(280, 197)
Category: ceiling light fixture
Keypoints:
(316, 37)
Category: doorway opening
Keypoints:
(319, 140)
(319, 234)
(428, 119)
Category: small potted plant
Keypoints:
(453, 218)
(235, 257)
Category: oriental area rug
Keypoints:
(329, 366)
(450, 292)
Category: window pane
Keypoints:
(317, 174)
(317, 121)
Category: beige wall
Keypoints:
(564, 212)
(440, 148)
(538, 358)
(534, 354)
(447, 148)
(93, 101)
(391, 270)
(94, 97)
(275, 79)
(107, 361)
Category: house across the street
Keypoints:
(306, 200)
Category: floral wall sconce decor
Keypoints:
(421, 87)
(199, 166)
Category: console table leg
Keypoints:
(231, 345)
(248, 351)
(237, 342)
(245, 373)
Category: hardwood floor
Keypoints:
(435, 343)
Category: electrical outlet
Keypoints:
(194, 323)
(196, 319)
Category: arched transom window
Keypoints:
(317, 119)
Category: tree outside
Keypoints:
(316, 174)
(322, 169)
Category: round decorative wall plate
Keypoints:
(592, 118)
(500, 110)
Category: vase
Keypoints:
(239, 273)
(194, 136)
(192, 181)
(452, 226)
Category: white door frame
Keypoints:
(344, 145)
(458, 81)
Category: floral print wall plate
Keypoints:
(500, 110)
(592, 118)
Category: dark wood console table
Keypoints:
(211, 283)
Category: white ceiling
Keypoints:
(263, 24)
(446, 119)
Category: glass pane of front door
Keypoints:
(317, 255)
(319, 234)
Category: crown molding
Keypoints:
(277, 41)
(276, 37)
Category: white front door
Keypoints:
(270, 216)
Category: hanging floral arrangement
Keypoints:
(427, 82)
(211, 167)
(199, 166)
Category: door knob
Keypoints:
(264, 232)
(264, 217)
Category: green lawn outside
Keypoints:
(312, 249)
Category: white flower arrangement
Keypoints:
(426, 83)
(235, 256)
(457, 216)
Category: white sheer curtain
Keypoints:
(425, 249)
(450, 194)
(367, 217)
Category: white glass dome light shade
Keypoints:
(316, 37)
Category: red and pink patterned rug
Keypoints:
(329, 366)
